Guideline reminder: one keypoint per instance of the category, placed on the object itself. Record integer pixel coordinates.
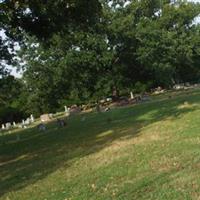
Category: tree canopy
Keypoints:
(75, 51)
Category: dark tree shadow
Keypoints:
(38, 154)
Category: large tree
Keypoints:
(43, 18)
(77, 54)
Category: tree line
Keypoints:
(77, 51)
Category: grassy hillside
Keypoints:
(147, 151)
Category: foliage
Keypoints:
(9, 89)
(11, 108)
(10, 114)
(44, 18)
(87, 50)
(5, 56)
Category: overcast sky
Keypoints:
(15, 73)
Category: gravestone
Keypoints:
(67, 111)
(66, 108)
(20, 126)
(14, 124)
(106, 109)
(41, 127)
(131, 94)
(45, 118)
(32, 118)
(75, 109)
(146, 97)
(109, 99)
(102, 101)
(178, 86)
(61, 122)
(8, 125)
(3, 127)
(27, 122)
(51, 115)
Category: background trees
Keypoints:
(77, 51)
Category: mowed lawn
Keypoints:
(147, 151)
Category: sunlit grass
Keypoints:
(147, 151)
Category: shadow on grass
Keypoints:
(37, 155)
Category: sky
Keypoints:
(18, 74)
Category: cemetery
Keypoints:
(99, 152)
(104, 105)
(100, 100)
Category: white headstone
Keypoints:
(8, 125)
(132, 97)
(27, 122)
(14, 124)
(67, 111)
(32, 118)
(3, 126)
(108, 99)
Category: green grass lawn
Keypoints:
(147, 151)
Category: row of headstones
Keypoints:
(24, 124)
(27, 122)
(8, 126)
(31, 119)
(48, 117)
(43, 118)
